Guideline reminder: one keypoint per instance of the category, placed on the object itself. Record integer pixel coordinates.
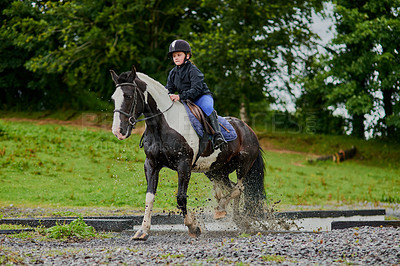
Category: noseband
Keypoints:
(131, 115)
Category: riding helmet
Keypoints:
(179, 46)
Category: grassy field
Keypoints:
(52, 165)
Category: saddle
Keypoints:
(199, 114)
(204, 130)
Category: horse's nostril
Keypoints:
(123, 131)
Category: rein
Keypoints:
(131, 118)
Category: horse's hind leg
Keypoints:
(243, 169)
(219, 189)
(234, 193)
(222, 184)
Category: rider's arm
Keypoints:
(196, 85)
(170, 84)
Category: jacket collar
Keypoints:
(184, 65)
(183, 69)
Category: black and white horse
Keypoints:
(170, 141)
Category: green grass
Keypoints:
(13, 227)
(53, 165)
(60, 166)
(62, 115)
(292, 180)
(369, 153)
(274, 258)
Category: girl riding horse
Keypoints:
(188, 80)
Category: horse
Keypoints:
(170, 141)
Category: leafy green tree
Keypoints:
(70, 45)
(362, 72)
(312, 107)
(242, 43)
(23, 89)
(97, 36)
(383, 26)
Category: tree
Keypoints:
(242, 43)
(384, 27)
(312, 107)
(70, 45)
(23, 89)
(97, 36)
(362, 72)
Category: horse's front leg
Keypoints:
(184, 172)
(152, 173)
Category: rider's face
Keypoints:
(179, 58)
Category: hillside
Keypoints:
(78, 162)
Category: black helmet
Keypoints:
(179, 46)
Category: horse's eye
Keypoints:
(128, 96)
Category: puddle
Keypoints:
(324, 224)
(300, 221)
(312, 224)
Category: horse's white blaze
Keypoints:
(118, 98)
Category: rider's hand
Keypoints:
(174, 97)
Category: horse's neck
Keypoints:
(175, 115)
(157, 91)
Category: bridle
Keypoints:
(131, 115)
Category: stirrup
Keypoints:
(219, 141)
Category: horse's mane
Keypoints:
(127, 77)
(155, 88)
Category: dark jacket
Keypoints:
(188, 80)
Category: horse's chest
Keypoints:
(168, 152)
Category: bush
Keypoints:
(76, 229)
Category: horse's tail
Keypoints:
(254, 190)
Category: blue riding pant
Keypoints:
(206, 103)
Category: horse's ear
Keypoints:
(133, 71)
(114, 76)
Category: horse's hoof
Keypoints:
(196, 232)
(140, 236)
(192, 224)
(219, 215)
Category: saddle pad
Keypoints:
(229, 136)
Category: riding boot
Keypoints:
(218, 139)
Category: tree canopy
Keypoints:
(56, 54)
(361, 71)
(67, 47)
(243, 43)
(71, 45)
